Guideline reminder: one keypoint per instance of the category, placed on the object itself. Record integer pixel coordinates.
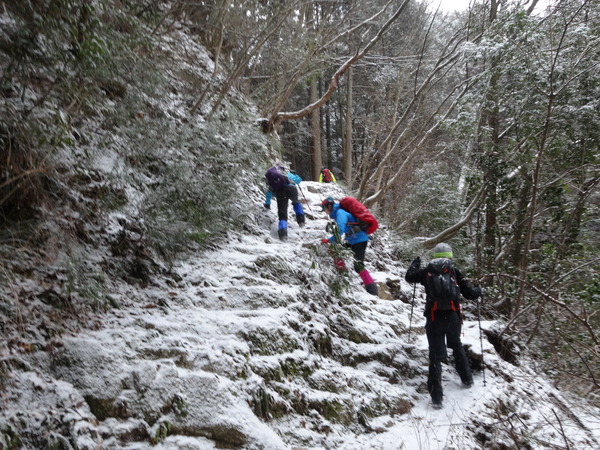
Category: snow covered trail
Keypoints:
(235, 283)
(250, 349)
(249, 308)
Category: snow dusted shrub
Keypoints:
(9, 439)
(181, 210)
(161, 432)
(324, 260)
(264, 341)
(87, 288)
(22, 172)
(68, 56)
(434, 204)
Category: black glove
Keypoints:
(477, 291)
(267, 206)
(416, 264)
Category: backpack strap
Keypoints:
(453, 307)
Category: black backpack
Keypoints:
(441, 286)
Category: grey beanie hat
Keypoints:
(442, 250)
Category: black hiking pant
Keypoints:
(283, 195)
(360, 250)
(444, 331)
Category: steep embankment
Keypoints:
(250, 349)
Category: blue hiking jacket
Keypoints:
(344, 219)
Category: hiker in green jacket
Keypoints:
(443, 318)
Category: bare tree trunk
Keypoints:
(551, 93)
(412, 124)
(328, 133)
(400, 81)
(531, 210)
(572, 226)
(348, 133)
(315, 127)
(491, 176)
(467, 214)
(280, 116)
(251, 50)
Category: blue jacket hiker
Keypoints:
(283, 186)
(444, 284)
(355, 238)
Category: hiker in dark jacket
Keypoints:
(443, 325)
(284, 189)
(356, 239)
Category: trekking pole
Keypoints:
(306, 200)
(412, 304)
(481, 337)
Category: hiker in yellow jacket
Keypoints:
(326, 176)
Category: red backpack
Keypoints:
(327, 176)
(366, 221)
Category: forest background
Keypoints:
(478, 127)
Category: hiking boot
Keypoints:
(372, 289)
(301, 220)
(282, 232)
(468, 384)
(434, 384)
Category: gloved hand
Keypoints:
(325, 241)
(477, 291)
(416, 264)
(267, 206)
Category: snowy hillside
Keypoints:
(250, 349)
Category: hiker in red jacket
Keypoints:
(443, 322)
